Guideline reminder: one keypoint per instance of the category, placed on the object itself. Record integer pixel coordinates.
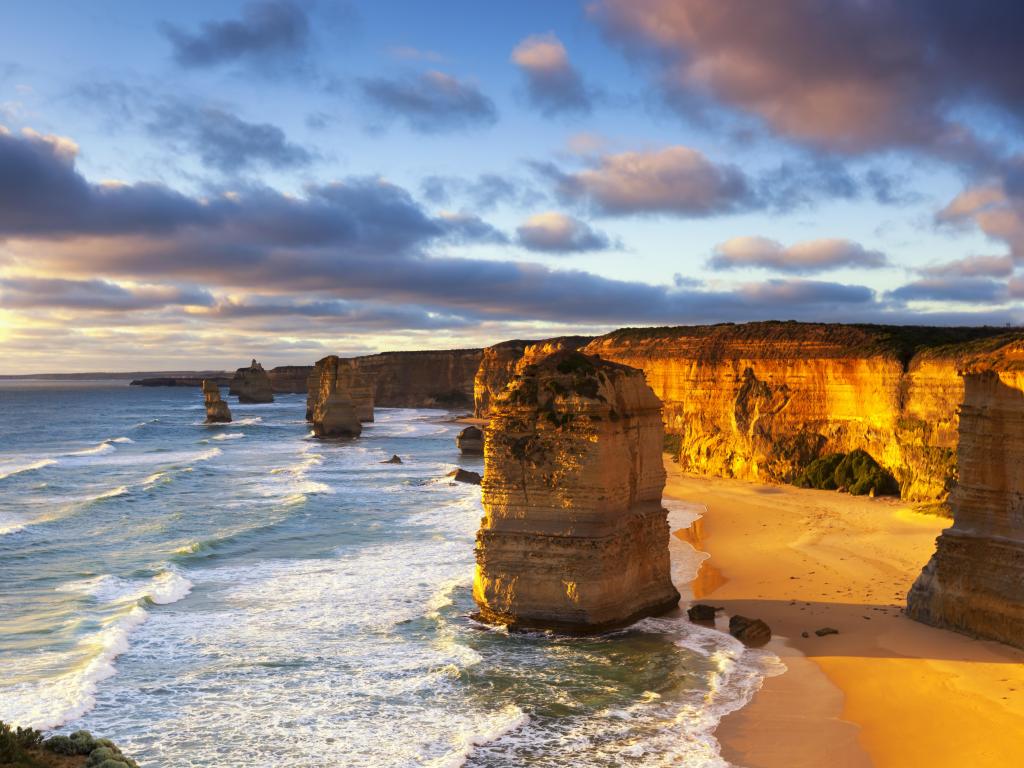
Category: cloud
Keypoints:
(972, 266)
(991, 209)
(268, 30)
(554, 232)
(552, 83)
(434, 102)
(364, 316)
(855, 77)
(799, 258)
(675, 180)
(958, 289)
(33, 292)
(485, 192)
(469, 228)
(226, 142)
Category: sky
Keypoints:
(190, 185)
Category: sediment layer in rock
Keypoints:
(499, 363)
(252, 385)
(217, 410)
(974, 582)
(342, 374)
(289, 379)
(574, 536)
(426, 379)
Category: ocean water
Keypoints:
(245, 595)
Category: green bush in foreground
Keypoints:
(26, 748)
(855, 472)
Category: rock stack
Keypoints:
(217, 411)
(252, 385)
(341, 373)
(574, 536)
(330, 405)
(974, 582)
(470, 441)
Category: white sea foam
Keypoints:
(10, 524)
(7, 469)
(121, 490)
(97, 450)
(229, 436)
(491, 728)
(122, 440)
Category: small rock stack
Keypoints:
(471, 441)
(574, 537)
(341, 373)
(252, 385)
(217, 411)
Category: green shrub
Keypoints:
(100, 754)
(61, 745)
(15, 741)
(861, 474)
(820, 473)
(673, 445)
(113, 764)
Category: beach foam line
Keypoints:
(229, 436)
(121, 490)
(494, 726)
(8, 470)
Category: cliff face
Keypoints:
(574, 535)
(974, 582)
(290, 379)
(334, 373)
(499, 363)
(217, 410)
(252, 385)
(431, 379)
(330, 405)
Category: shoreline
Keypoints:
(885, 691)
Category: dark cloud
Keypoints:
(958, 289)
(484, 193)
(852, 76)
(226, 142)
(554, 232)
(268, 31)
(800, 258)
(463, 228)
(365, 316)
(675, 180)
(433, 102)
(33, 292)
(552, 83)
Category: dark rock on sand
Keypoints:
(826, 631)
(471, 441)
(465, 476)
(395, 459)
(702, 612)
(749, 631)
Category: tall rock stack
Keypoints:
(503, 361)
(574, 536)
(217, 411)
(974, 582)
(252, 385)
(344, 374)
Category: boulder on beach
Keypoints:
(749, 631)
(465, 476)
(471, 441)
(252, 385)
(702, 612)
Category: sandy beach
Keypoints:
(886, 691)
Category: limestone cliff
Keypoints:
(974, 582)
(499, 363)
(217, 411)
(428, 379)
(330, 406)
(252, 385)
(574, 536)
(289, 379)
(340, 373)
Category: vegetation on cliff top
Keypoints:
(26, 748)
(856, 472)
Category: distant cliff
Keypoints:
(974, 583)
(428, 379)
(762, 400)
(290, 379)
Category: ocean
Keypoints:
(246, 595)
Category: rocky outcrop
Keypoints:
(289, 379)
(974, 582)
(574, 536)
(470, 440)
(760, 401)
(340, 373)
(429, 379)
(252, 385)
(499, 363)
(217, 411)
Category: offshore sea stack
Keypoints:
(330, 404)
(217, 411)
(252, 385)
(345, 374)
(574, 536)
(470, 441)
(974, 582)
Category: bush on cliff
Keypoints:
(855, 472)
(26, 748)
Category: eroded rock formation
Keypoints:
(499, 363)
(252, 385)
(974, 582)
(470, 440)
(574, 535)
(760, 401)
(217, 411)
(340, 373)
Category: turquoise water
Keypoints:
(245, 595)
